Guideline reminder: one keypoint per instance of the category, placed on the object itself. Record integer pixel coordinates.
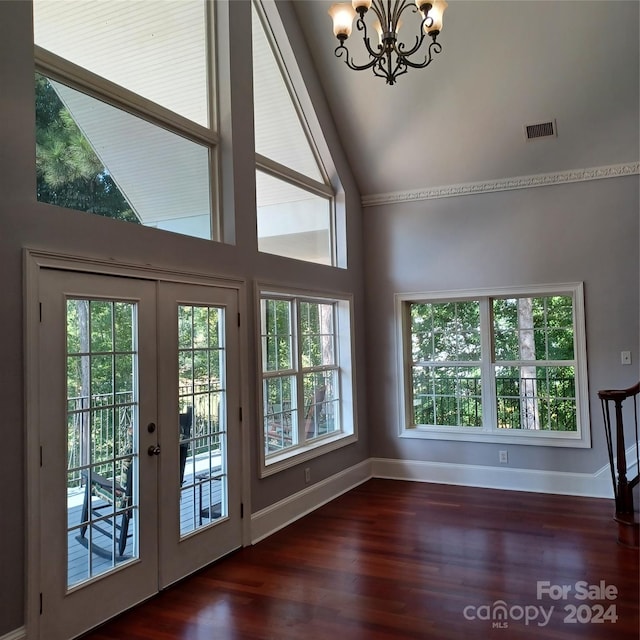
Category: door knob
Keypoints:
(153, 450)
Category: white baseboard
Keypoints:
(594, 485)
(18, 634)
(279, 515)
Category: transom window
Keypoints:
(125, 111)
(306, 374)
(295, 200)
(504, 365)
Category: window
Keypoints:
(507, 365)
(307, 398)
(295, 201)
(125, 127)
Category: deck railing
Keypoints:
(100, 429)
(521, 402)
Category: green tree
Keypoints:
(446, 356)
(533, 395)
(532, 340)
(69, 173)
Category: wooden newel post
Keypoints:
(622, 486)
(624, 498)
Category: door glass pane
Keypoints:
(102, 449)
(202, 419)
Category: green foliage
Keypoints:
(552, 389)
(445, 332)
(201, 362)
(551, 322)
(200, 351)
(100, 382)
(445, 342)
(69, 173)
(317, 334)
(311, 326)
(277, 334)
(447, 396)
(100, 341)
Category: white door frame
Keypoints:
(33, 262)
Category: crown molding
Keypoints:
(504, 184)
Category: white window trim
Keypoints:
(345, 357)
(581, 438)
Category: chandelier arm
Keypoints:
(362, 26)
(381, 71)
(341, 51)
(377, 6)
(400, 47)
(398, 9)
(434, 48)
(398, 71)
(419, 39)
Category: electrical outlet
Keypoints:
(307, 474)
(503, 457)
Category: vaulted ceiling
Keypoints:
(504, 65)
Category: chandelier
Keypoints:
(389, 58)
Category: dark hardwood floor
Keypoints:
(394, 559)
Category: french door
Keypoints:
(140, 442)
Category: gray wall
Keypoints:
(585, 231)
(27, 223)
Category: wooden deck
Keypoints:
(199, 506)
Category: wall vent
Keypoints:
(541, 130)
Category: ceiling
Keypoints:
(504, 65)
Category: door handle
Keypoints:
(153, 450)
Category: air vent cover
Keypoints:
(541, 130)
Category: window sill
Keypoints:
(477, 434)
(291, 458)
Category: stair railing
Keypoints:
(622, 486)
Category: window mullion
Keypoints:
(85, 81)
(407, 366)
(277, 170)
(297, 350)
(319, 368)
(280, 373)
(487, 368)
(212, 85)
